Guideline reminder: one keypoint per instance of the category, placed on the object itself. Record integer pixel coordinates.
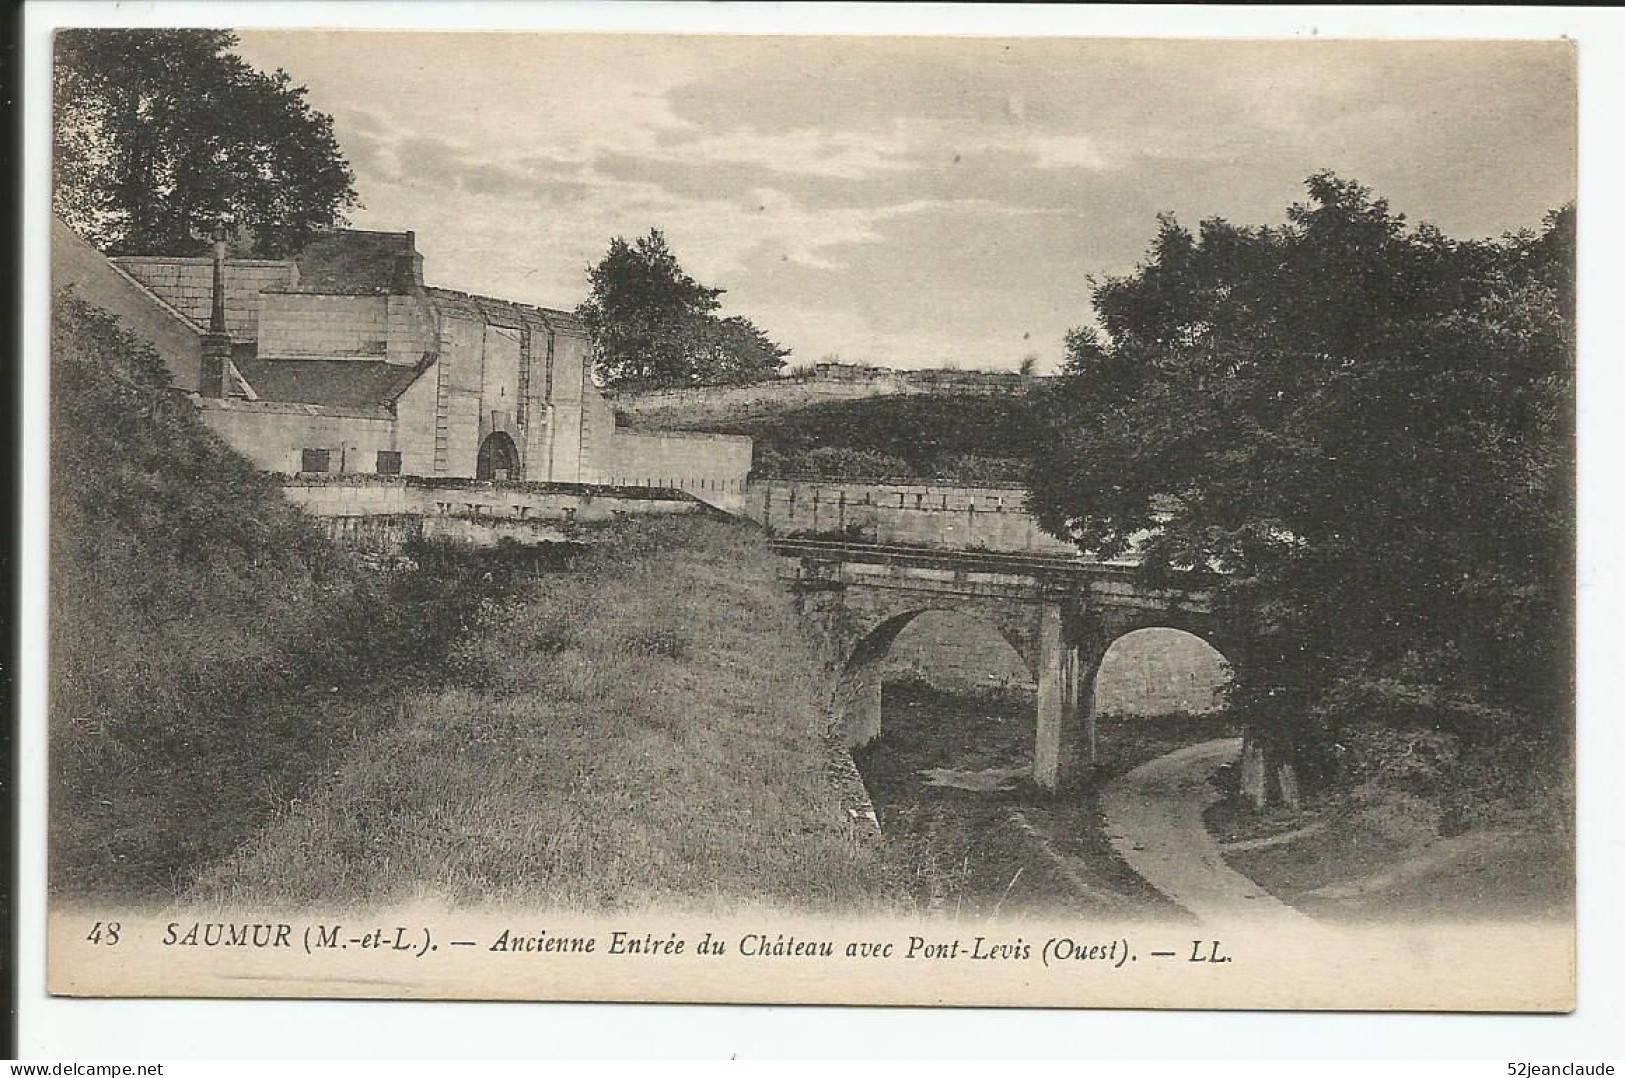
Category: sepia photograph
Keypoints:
(997, 521)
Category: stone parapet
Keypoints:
(362, 495)
(933, 513)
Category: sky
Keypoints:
(909, 202)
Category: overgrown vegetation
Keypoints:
(240, 710)
(1369, 427)
(646, 728)
(968, 437)
(209, 649)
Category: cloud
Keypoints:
(727, 225)
(804, 151)
(1065, 151)
(900, 199)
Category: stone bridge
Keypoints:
(1060, 612)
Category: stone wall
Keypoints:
(274, 435)
(377, 495)
(95, 280)
(296, 325)
(656, 409)
(930, 380)
(188, 285)
(918, 513)
(458, 378)
(411, 325)
(712, 467)
(390, 533)
(415, 424)
(571, 399)
(503, 367)
(598, 429)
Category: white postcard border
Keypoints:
(156, 1029)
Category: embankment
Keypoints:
(646, 728)
(239, 707)
(210, 650)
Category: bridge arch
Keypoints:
(1159, 669)
(1061, 614)
(861, 687)
(1092, 644)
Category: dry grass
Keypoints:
(645, 729)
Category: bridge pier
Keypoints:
(1062, 701)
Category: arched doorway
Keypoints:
(498, 459)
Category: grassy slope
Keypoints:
(646, 728)
(188, 600)
(1378, 854)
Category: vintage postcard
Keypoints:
(910, 520)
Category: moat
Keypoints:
(968, 835)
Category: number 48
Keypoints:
(107, 934)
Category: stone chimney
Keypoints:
(214, 380)
(409, 266)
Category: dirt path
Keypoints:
(1154, 822)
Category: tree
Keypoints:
(653, 325)
(1362, 433)
(728, 350)
(160, 133)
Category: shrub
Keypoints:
(840, 462)
(921, 430)
(1511, 780)
(768, 463)
(1418, 761)
(975, 468)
